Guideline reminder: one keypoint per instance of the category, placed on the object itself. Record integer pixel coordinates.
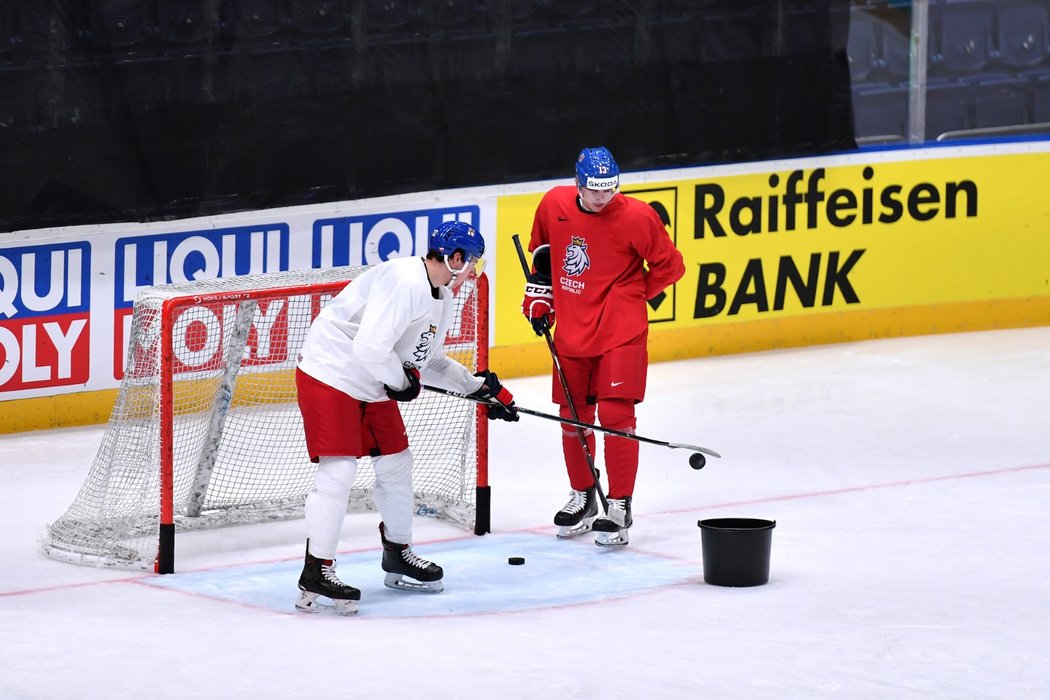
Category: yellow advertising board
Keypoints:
(832, 250)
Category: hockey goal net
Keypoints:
(206, 431)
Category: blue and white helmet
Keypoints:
(597, 170)
(450, 236)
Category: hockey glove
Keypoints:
(490, 390)
(409, 392)
(538, 306)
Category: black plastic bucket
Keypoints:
(736, 550)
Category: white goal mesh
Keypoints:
(206, 432)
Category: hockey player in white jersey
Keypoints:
(368, 349)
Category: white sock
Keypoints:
(393, 495)
(326, 504)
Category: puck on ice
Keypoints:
(515, 561)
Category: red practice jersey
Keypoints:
(599, 280)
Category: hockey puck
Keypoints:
(515, 561)
(697, 460)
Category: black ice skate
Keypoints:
(611, 530)
(576, 516)
(399, 561)
(319, 579)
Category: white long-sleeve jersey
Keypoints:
(388, 318)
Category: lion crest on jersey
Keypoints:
(426, 339)
(576, 259)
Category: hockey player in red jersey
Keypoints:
(598, 257)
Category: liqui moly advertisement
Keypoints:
(45, 297)
(66, 300)
(174, 258)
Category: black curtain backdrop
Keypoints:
(136, 110)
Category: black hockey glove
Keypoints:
(409, 392)
(490, 390)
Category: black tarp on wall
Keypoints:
(124, 110)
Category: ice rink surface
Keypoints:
(910, 483)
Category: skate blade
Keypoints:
(398, 582)
(567, 532)
(311, 602)
(612, 539)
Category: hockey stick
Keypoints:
(693, 459)
(565, 389)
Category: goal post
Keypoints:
(206, 431)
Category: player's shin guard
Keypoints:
(621, 463)
(326, 504)
(580, 476)
(621, 454)
(393, 494)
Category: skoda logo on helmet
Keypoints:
(596, 169)
(602, 183)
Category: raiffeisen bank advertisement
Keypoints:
(853, 247)
(838, 248)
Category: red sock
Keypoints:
(621, 454)
(580, 477)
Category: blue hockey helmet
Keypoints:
(597, 170)
(450, 236)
